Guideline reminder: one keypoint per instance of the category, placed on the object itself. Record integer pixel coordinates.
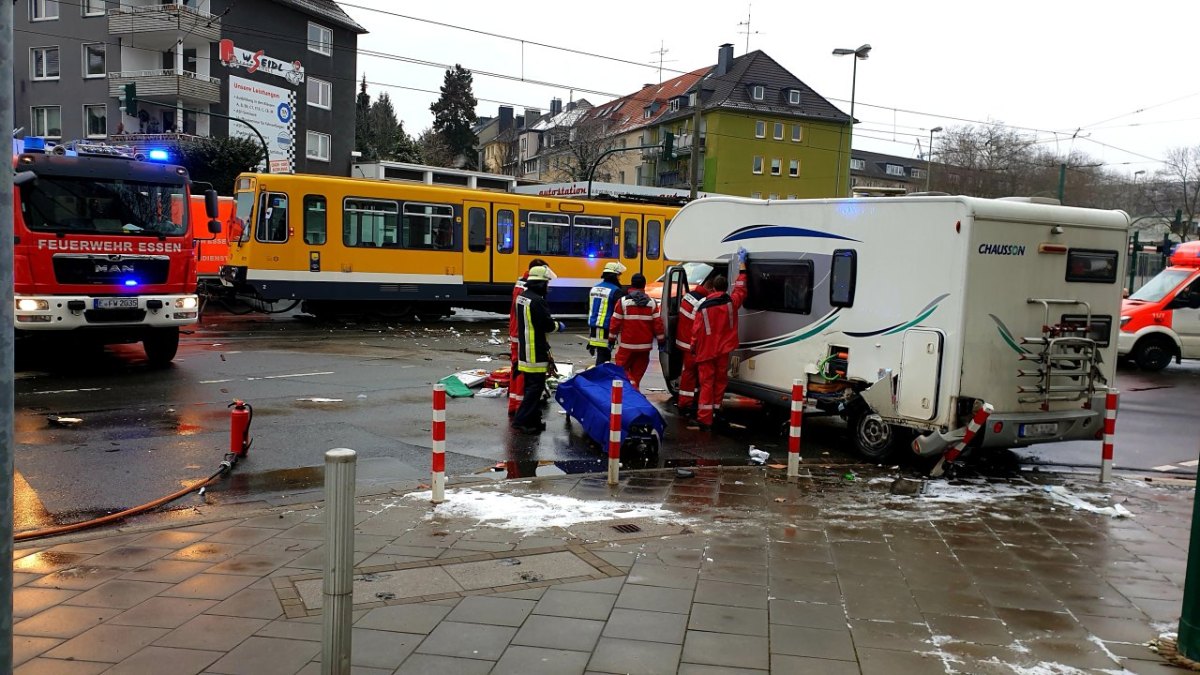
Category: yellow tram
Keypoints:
(352, 245)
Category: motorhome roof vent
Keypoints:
(1032, 200)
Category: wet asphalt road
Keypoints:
(147, 432)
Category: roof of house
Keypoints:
(733, 90)
(876, 165)
(327, 10)
(629, 112)
(566, 118)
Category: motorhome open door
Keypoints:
(675, 286)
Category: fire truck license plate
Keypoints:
(1042, 429)
(115, 303)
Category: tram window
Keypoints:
(428, 226)
(504, 231)
(653, 239)
(272, 223)
(548, 234)
(631, 237)
(477, 230)
(592, 237)
(370, 223)
(315, 216)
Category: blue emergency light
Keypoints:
(158, 155)
(131, 282)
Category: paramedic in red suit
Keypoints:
(636, 324)
(714, 337)
(683, 340)
(516, 381)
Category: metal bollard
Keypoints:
(614, 433)
(1110, 431)
(338, 587)
(793, 465)
(438, 482)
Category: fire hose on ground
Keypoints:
(241, 414)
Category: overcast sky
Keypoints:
(1047, 66)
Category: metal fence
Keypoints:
(1144, 265)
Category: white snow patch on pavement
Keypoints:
(532, 512)
(1062, 495)
(939, 492)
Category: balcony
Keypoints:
(167, 86)
(684, 142)
(171, 19)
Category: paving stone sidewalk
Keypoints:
(729, 570)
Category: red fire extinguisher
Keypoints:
(239, 428)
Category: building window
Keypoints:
(758, 92)
(918, 173)
(773, 195)
(315, 215)
(646, 114)
(894, 170)
(779, 131)
(796, 133)
(756, 195)
(776, 166)
(46, 121)
(674, 105)
(43, 10)
(858, 164)
(93, 7)
(317, 146)
(93, 60)
(758, 164)
(760, 129)
(95, 120)
(794, 96)
(320, 39)
(791, 196)
(320, 93)
(43, 63)
(794, 168)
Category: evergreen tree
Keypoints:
(454, 115)
(363, 136)
(384, 129)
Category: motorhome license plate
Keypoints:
(115, 303)
(1041, 429)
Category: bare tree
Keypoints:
(576, 150)
(434, 151)
(1176, 186)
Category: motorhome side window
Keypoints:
(780, 286)
(843, 270)
(272, 224)
(1091, 266)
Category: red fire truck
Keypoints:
(103, 246)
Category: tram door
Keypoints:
(631, 242)
(477, 253)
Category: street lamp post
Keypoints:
(929, 164)
(860, 53)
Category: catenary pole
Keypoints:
(697, 118)
(7, 345)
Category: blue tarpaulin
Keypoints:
(587, 397)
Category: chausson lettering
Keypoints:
(1001, 249)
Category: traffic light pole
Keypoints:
(7, 345)
(263, 141)
(596, 164)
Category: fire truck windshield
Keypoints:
(111, 207)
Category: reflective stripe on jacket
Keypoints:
(715, 329)
(534, 322)
(518, 289)
(637, 322)
(602, 300)
(687, 314)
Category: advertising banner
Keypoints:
(272, 112)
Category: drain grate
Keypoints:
(627, 528)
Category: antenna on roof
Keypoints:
(661, 51)
(747, 32)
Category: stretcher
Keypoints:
(587, 398)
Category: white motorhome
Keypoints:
(905, 314)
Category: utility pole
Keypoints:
(696, 119)
(1062, 180)
(7, 345)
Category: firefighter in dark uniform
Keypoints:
(534, 323)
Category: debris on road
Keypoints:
(65, 421)
(318, 399)
(1062, 495)
(759, 456)
(499, 392)
(906, 486)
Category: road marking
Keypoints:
(1190, 462)
(65, 391)
(214, 381)
(1166, 467)
(281, 377)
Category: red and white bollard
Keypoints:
(614, 433)
(793, 465)
(438, 483)
(977, 422)
(1110, 432)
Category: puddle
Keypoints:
(241, 485)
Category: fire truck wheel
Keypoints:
(1153, 353)
(161, 344)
